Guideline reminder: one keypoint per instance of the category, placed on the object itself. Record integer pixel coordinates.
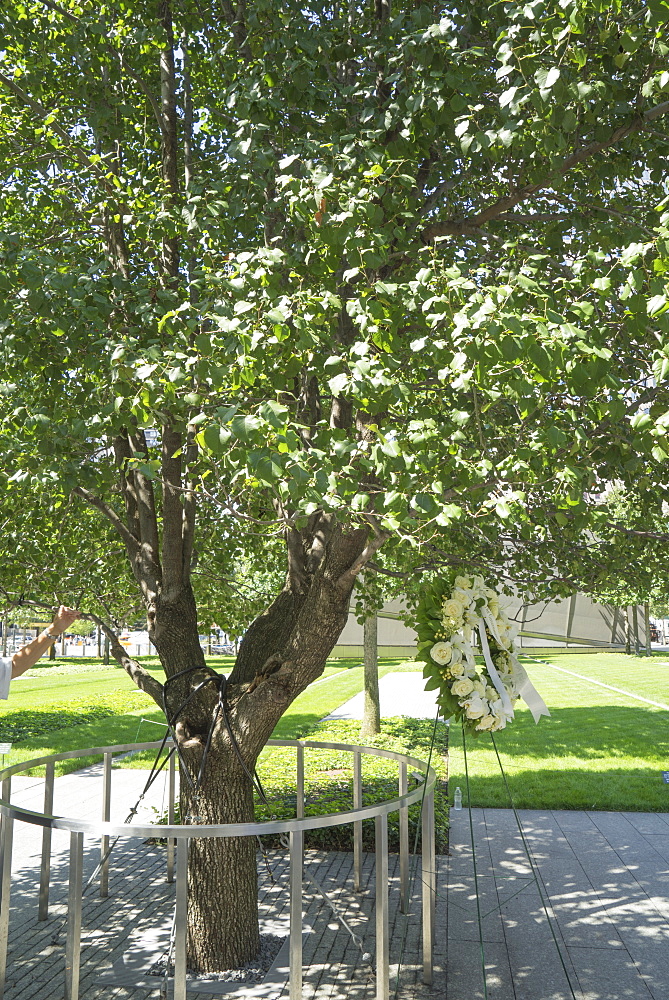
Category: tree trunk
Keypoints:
(635, 619)
(371, 716)
(223, 930)
(646, 622)
(215, 788)
(282, 652)
(628, 633)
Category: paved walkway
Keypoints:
(399, 694)
(128, 930)
(604, 880)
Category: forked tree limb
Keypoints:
(140, 677)
(471, 224)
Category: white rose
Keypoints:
(491, 693)
(487, 722)
(463, 582)
(441, 653)
(475, 707)
(461, 597)
(462, 687)
(451, 609)
(457, 669)
(500, 713)
(479, 687)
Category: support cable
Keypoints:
(476, 879)
(535, 870)
(412, 880)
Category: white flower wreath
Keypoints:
(452, 618)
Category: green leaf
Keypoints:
(657, 305)
(245, 428)
(274, 413)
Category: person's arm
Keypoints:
(29, 654)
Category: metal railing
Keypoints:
(179, 836)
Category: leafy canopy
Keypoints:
(398, 265)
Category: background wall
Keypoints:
(576, 623)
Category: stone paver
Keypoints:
(594, 923)
(140, 908)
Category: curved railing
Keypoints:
(179, 836)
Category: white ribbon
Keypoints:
(522, 682)
(528, 692)
(492, 670)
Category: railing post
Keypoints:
(295, 945)
(171, 796)
(404, 841)
(382, 941)
(45, 868)
(106, 815)
(427, 894)
(180, 920)
(299, 809)
(357, 826)
(74, 907)
(6, 795)
(6, 839)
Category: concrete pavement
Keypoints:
(586, 919)
(604, 880)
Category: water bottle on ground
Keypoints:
(457, 799)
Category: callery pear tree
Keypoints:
(331, 274)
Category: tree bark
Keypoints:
(282, 652)
(646, 623)
(223, 927)
(635, 620)
(371, 716)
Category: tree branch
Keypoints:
(96, 501)
(146, 503)
(173, 512)
(69, 16)
(189, 507)
(347, 579)
(470, 224)
(139, 676)
(43, 112)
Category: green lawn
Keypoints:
(599, 750)
(45, 706)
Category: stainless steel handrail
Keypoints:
(181, 835)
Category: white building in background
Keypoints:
(577, 623)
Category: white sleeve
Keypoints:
(5, 676)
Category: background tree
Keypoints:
(343, 273)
